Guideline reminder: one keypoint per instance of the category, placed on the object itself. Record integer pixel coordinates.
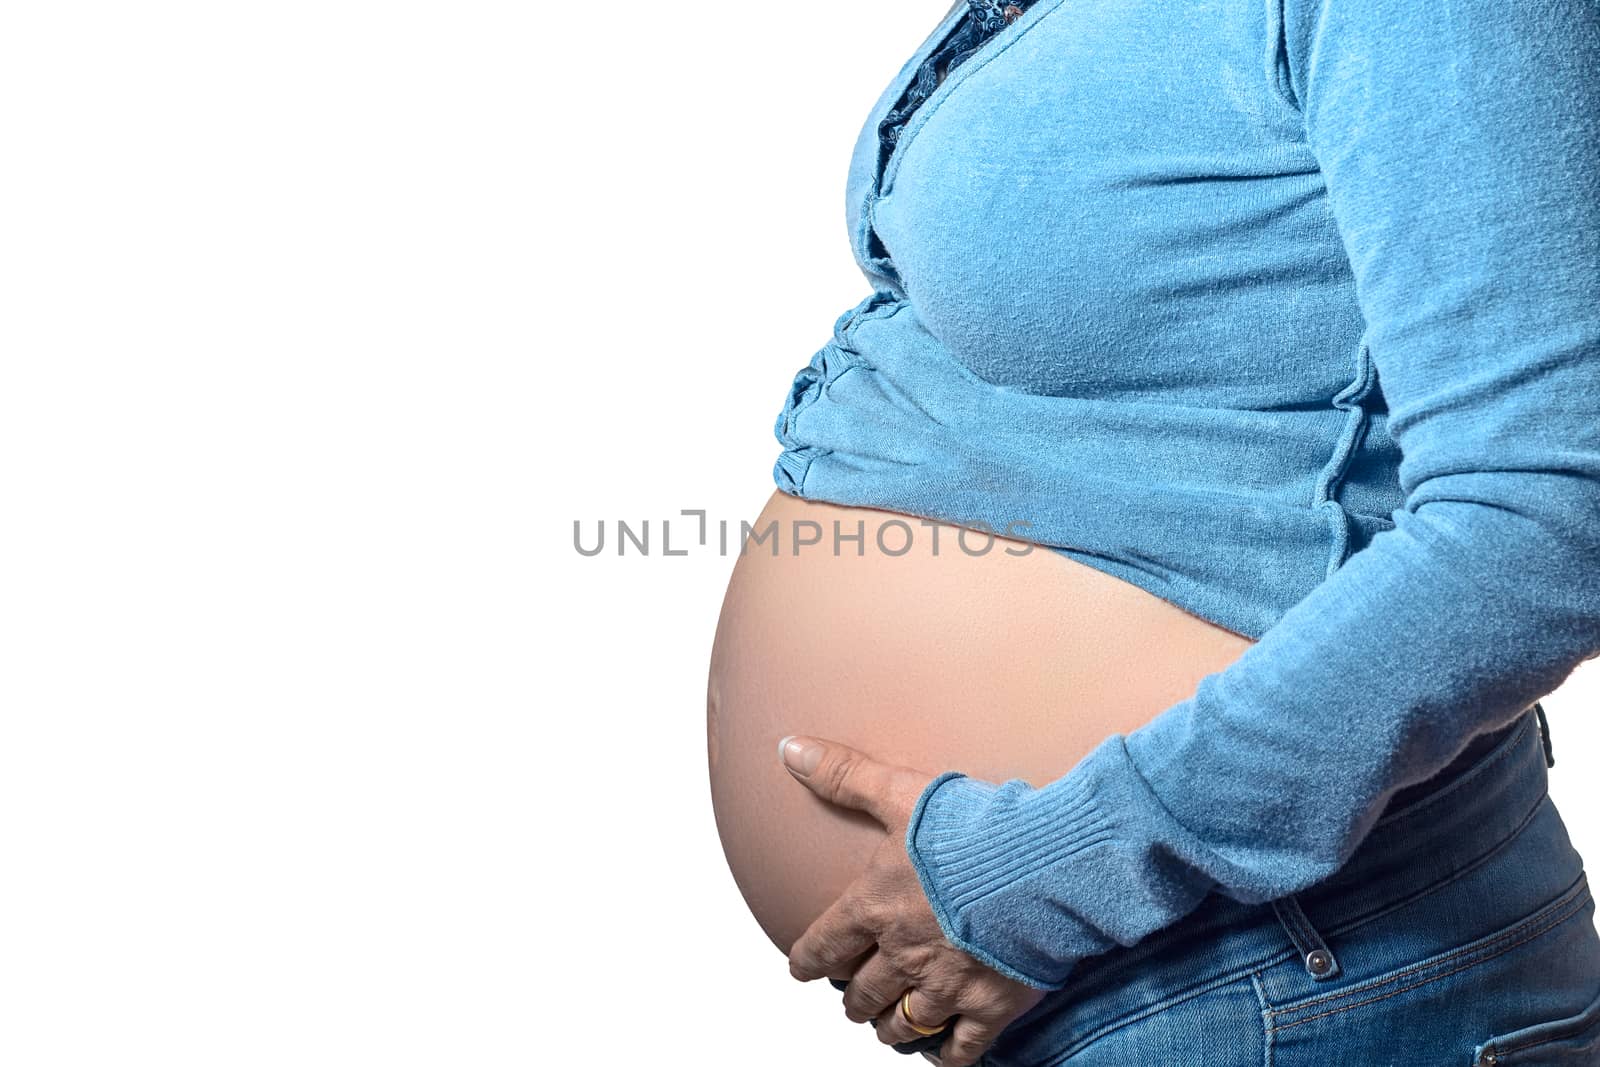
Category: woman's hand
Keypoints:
(881, 934)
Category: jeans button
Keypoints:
(1318, 962)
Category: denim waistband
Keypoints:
(1459, 822)
(1435, 837)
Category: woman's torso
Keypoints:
(1111, 297)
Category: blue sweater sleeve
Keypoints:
(1460, 145)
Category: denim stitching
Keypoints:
(1268, 1034)
(1187, 993)
(1426, 981)
(1550, 1040)
(1575, 892)
(1543, 921)
(1535, 935)
(1284, 955)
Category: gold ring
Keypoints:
(905, 1013)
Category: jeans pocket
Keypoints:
(1566, 1042)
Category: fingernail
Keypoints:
(799, 756)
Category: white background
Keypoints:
(322, 323)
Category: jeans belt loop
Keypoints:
(1319, 960)
(1544, 734)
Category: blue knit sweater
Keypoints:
(1287, 311)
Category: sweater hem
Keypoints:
(942, 913)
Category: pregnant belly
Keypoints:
(924, 650)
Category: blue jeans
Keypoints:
(1460, 934)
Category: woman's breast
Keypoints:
(922, 645)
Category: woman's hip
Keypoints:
(1461, 932)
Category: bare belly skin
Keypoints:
(1002, 666)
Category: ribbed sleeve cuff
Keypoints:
(1030, 881)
